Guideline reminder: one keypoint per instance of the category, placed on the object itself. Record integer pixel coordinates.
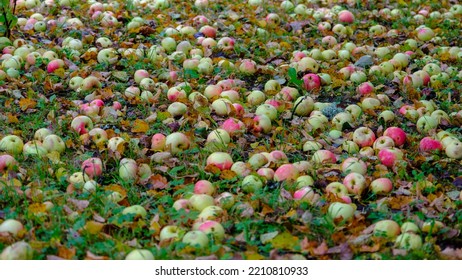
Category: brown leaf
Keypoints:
(158, 182)
(66, 253)
(322, 249)
(91, 256)
(79, 204)
(26, 103)
(37, 208)
(227, 175)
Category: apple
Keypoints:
(212, 91)
(196, 238)
(428, 144)
(148, 84)
(389, 156)
(11, 144)
(139, 254)
(286, 172)
(204, 187)
(128, 169)
(41, 133)
(175, 94)
(426, 123)
(409, 227)
(98, 136)
(355, 183)
(201, 201)
(341, 119)
(387, 229)
(54, 65)
(304, 194)
(233, 126)
(454, 150)
(182, 204)
(386, 116)
(82, 124)
(241, 168)
(210, 213)
(17, 251)
(93, 167)
(90, 186)
(307, 64)
(424, 33)
(311, 81)
(212, 228)
(248, 67)
(262, 123)
(364, 136)
(337, 189)
(222, 106)
(346, 16)
(12, 226)
(432, 226)
(219, 136)
(170, 232)
(53, 142)
(251, 184)
(341, 212)
(258, 160)
(221, 160)
(78, 179)
(116, 144)
(90, 83)
(158, 142)
(355, 165)
(408, 241)
(177, 109)
(75, 82)
(177, 142)
(34, 148)
(311, 146)
(383, 142)
(108, 56)
(225, 200)
(267, 173)
(268, 110)
(256, 97)
(323, 157)
(7, 162)
(136, 210)
(132, 92)
(304, 105)
(381, 186)
(366, 88)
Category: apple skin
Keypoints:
(89, 83)
(383, 142)
(365, 88)
(182, 204)
(82, 124)
(136, 210)
(98, 136)
(428, 144)
(201, 201)
(409, 227)
(128, 169)
(323, 157)
(53, 142)
(454, 150)
(346, 16)
(196, 238)
(225, 200)
(341, 212)
(355, 183)
(305, 194)
(219, 136)
(211, 212)
(54, 65)
(41, 133)
(177, 142)
(139, 254)
(116, 142)
(311, 81)
(7, 162)
(338, 189)
(11, 226)
(381, 186)
(170, 232)
(204, 187)
(17, 251)
(93, 167)
(364, 136)
(387, 229)
(11, 144)
(233, 126)
(251, 184)
(408, 241)
(262, 123)
(267, 173)
(213, 228)
(34, 148)
(221, 160)
(389, 156)
(397, 134)
(158, 142)
(286, 172)
(353, 164)
(258, 160)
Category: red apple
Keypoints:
(397, 134)
(286, 172)
(428, 144)
(221, 160)
(204, 187)
(93, 167)
(389, 156)
(311, 81)
(355, 183)
(324, 156)
(381, 186)
(364, 136)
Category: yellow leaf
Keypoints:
(253, 256)
(54, 157)
(37, 208)
(26, 103)
(93, 227)
(285, 241)
(140, 126)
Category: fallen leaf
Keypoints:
(140, 126)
